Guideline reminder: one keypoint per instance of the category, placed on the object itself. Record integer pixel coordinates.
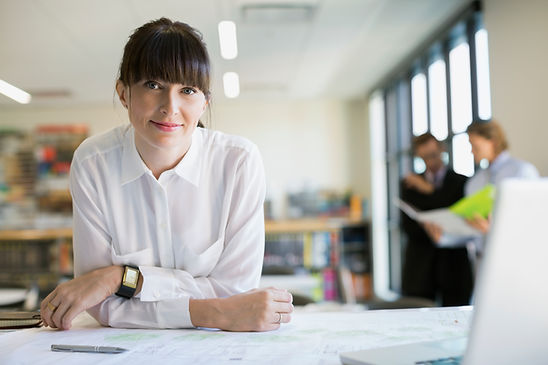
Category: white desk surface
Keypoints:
(311, 338)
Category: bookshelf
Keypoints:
(322, 259)
(325, 260)
(35, 205)
(39, 258)
(54, 147)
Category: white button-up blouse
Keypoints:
(196, 232)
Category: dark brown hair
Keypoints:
(423, 139)
(168, 51)
(492, 131)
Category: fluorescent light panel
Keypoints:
(227, 39)
(14, 93)
(231, 84)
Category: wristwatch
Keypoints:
(129, 282)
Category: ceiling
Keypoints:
(66, 52)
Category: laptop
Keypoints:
(510, 320)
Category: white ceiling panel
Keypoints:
(287, 48)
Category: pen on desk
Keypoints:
(84, 348)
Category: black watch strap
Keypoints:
(125, 290)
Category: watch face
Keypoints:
(130, 278)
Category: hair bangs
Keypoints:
(169, 55)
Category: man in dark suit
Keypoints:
(430, 271)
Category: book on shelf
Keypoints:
(309, 250)
(308, 255)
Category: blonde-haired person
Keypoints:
(489, 143)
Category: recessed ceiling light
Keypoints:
(231, 84)
(227, 39)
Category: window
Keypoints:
(482, 66)
(463, 160)
(418, 165)
(438, 99)
(441, 90)
(418, 107)
(461, 97)
(379, 188)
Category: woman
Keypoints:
(489, 143)
(167, 216)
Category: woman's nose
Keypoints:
(170, 103)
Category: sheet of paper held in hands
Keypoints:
(452, 219)
(449, 222)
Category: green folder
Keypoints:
(479, 203)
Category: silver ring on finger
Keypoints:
(279, 318)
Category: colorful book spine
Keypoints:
(308, 259)
(330, 284)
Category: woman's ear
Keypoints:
(121, 89)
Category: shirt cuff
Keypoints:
(452, 241)
(158, 284)
(174, 313)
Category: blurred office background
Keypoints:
(331, 91)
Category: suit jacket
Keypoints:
(450, 191)
(429, 271)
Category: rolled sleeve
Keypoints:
(158, 284)
(133, 313)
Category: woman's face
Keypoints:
(482, 148)
(164, 115)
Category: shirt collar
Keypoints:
(499, 160)
(437, 178)
(132, 164)
(188, 168)
(440, 175)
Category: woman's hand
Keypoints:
(480, 223)
(434, 231)
(255, 310)
(73, 297)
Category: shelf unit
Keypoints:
(54, 148)
(323, 259)
(35, 258)
(327, 260)
(34, 194)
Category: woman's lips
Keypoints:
(166, 126)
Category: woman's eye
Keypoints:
(188, 91)
(152, 85)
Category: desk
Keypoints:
(311, 338)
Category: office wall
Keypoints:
(98, 118)
(314, 143)
(359, 159)
(306, 143)
(518, 52)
